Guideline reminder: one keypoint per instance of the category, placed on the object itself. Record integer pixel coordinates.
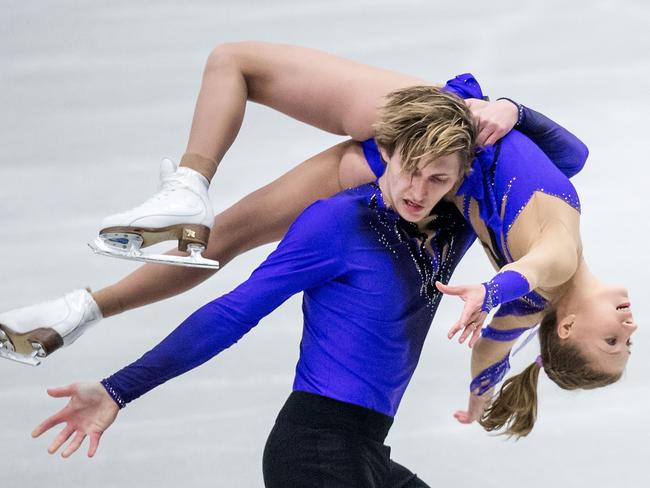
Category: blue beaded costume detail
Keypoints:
(503, 179)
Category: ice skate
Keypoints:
(180, 211)
(34, 332)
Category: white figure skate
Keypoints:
(180, 210)
(31, 333)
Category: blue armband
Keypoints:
(502, 335)
(504, 287)
(490, 376)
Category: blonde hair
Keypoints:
(425, 123)
(514, 409)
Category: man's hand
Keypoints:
(472, 317)
(89, 412)
(493, 119)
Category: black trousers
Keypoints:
(318, 442)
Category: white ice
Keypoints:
(93, 94)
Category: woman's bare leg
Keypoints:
(323, 90)
(326, 91)
(244, 226)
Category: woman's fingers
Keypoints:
(450, 290)
(454, 330)
(492, 139)
(471, 328)
(462, 417)
(485, 135)
(475, 336)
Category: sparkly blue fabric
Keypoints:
(369, 297)
(490, 376)
(373, 158)
(504, 287)
(503, 179)
(502, 335)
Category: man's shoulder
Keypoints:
(341, 206)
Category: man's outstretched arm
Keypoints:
(309, 255)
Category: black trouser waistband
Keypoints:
(319, 412)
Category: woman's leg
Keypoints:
(257, 219)
(326, 91)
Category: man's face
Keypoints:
(413, 195)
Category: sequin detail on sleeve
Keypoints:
(504, 287)
(113, 393)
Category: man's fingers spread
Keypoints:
(63, 436)
(74, 445)
(47, 424)
(94, 443)
(62, 391)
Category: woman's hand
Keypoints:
(477, 405)
(89, 412)
(472, 318)
(493, 119)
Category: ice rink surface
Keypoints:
(93, 94)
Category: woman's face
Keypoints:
(603, 327)
(413, 195)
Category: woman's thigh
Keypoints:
(321, 89)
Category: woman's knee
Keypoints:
(227, 55)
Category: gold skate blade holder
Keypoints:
(184, 234)
(127, 245)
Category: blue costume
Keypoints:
(368, 276)
(504, 178)
(369, 298)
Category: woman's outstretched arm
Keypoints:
(545, 241)
(490, 350)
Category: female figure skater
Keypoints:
(311, 90)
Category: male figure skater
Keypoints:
(367, 260)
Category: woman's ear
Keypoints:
(565, 326)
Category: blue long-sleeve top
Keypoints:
(369, 290)
(369, 297)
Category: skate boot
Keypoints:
(180, 211)
(30, 333)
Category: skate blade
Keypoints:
(194, 260)
(31, 359)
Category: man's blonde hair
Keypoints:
(426, 123)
